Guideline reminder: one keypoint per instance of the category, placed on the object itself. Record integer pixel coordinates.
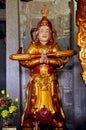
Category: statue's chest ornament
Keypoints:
(44, 48)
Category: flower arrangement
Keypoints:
(8, 107)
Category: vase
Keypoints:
(7, 125)
(7, 122)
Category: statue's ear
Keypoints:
(33, 33)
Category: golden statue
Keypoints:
(43, 57)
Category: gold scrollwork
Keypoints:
(81, 37)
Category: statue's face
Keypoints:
(44, 34)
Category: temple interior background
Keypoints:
(16, 19)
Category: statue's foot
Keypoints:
(27, 128)
(58, 129)
(58, 123)
(28, 123)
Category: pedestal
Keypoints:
(9, 128)
(43, 129)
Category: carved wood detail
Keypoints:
(81, 37)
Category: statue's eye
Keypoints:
(41, 30)
(47, 30)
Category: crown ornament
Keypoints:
(44, 11)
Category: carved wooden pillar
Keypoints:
(81, 37)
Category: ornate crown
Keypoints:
(44, 13)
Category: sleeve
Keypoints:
(32, 62)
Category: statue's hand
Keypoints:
(44, 58)
(59, 62)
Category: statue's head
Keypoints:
(44, 30)
(44, 22)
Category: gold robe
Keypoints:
(42, 89)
